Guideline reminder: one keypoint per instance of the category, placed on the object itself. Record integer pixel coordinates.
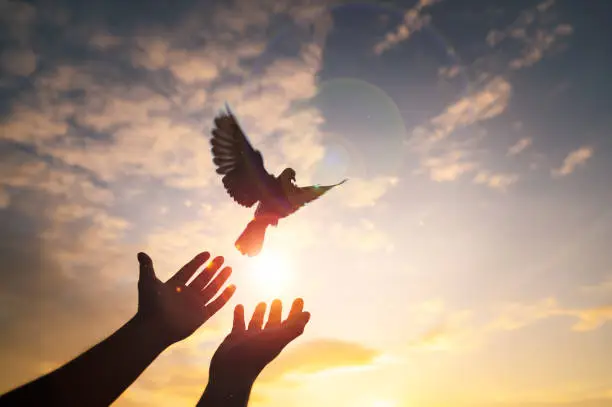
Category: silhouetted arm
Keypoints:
(167, 313)
(244, 353)
(226, 394)
(98, 376)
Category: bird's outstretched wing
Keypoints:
(300, 196)
(244, 175)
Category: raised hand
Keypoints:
(167, 312)
(247, 350)
(174, 309)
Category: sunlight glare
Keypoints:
(383, 403)
(271, 271)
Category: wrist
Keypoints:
(147, 334)
(226, 392)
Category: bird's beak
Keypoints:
(293, 178)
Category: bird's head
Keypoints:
(288, 174)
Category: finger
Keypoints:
(147, 273)
(184, 274)
(238, 319)
(218, 303)
(258, 316)
(207, 274)
(216, 284)
(296, 308)
(276, 311)
(296, 327)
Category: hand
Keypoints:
(245, 352)
(174, 309)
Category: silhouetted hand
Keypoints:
(174, 310)
(167, 312)
(246, 351)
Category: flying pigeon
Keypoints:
(247, 182)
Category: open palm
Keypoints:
(176, 309)
(246, 351)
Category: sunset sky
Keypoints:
(466, 263)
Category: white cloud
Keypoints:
(358, 193)
(488, 102)
(363, 235)
(500, 181)
(520, 146)
(573, 160)
(414, 20)
(535, 41)
(448, 166)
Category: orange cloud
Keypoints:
(591, 318)
(318, 356)
(573, 160)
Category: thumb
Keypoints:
(147, 273)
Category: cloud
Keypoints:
(498, 181)
(453, 332)
(535, 40)
(448, 145)
(520, 146)
(537, 45)
(572, 161)
(414, 20)
(590, 319)
(5, 198)
(517, 315)
(603, 288)
(448, 166)
(20, 62)
(488, 102)
(359, 193)
(443, 329)
(17, 18)
(319, 356)
(93, 148)
(362, 235)
(441, 160)
(104, 41)
(449, 72)
(446, 329)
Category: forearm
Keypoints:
(98, 376)
(219, 394)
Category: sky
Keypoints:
(465, 263)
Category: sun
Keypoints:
(271, 271)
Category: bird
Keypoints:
(247, 181)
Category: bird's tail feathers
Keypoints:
(252, 238)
